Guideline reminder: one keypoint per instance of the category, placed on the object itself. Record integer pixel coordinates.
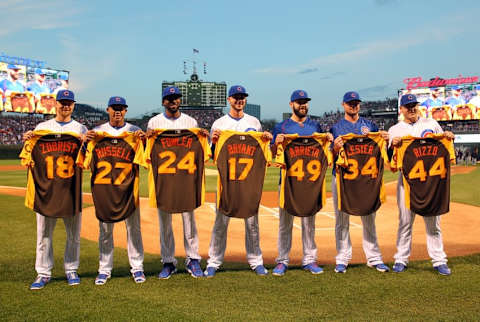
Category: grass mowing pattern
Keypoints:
(236, 293)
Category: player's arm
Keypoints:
(27, 135)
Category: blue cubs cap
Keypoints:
(63, 77)
(298, 95)
(12, 66)
(39, 71)
(237, 89)
(456, 87)
(351, 96)
(65, 94)
(117, 100)
(171, 90)
(407, 99)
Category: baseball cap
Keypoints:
(237, 89)
(39, 71)
(351, 96)
(171, 90)
(62, 76)
(65, 94)
(299, 94)
(12, 66)
(407, 99)
(477, 87)
(117, 100)
(456, 88)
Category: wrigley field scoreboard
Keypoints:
(200, 94)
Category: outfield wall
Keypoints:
(10, 151)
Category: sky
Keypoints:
(271, 47)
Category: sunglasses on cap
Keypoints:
(411, 105)
(302, 101)
(239, 97)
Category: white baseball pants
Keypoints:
(404, 237)
(342, 234)
(218, 243)
(285, 238)
(134, 244)
(167, 241)
(44, 252)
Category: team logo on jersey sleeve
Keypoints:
(427, 133)
(365, 130)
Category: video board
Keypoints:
(444, 103)
(28, 89)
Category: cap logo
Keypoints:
(301, 94)
(353, 95)
(239, 88)
(117, 99)
(172, 90)
(410, 97)
(66, 93)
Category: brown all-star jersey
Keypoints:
(177, 169)
(425, 164)
(359, 175)
(304, 161)
(54, 183)
(114, 162)
(241, 159)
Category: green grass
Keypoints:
(235, 294)
(465, 188)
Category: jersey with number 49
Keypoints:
(54, 182)
(304, 161)
(114, 162)
(241, 159)
(425, 164)
(177, 169)
(360, 166)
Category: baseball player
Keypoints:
(239, 121)
(62, 123)
(455, 99)
(12, 83)
(38, 86)
(174, 119)
(355, 124)
(299, 123)
(416, 126)
(117, 108)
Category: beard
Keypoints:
(172, 110)
(299, 113)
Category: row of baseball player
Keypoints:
(236, 120)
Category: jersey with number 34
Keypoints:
(425, 164)
(359, 175)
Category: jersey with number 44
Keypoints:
(54, 182)
(177, 169)
(241, 159)
(304, 161)
(425, 164)
(114, 162)
(359, 175)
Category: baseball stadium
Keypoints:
(236, 292)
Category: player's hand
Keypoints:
(384, 135)
(279, 139)
(140, 134)
(337, 144)
(204, 133)
(27, 135)
(449, 135)
(329, 137)
(149, 133)
(396, 141)
(267, 136)
(91, 135)
(215, 135)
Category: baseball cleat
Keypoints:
(261, 270)
(379, 267)
(193, 267)
(39, 282)
(399, 268)
(167, 271)
(340, 268)
(279, 270)
(139, 277)
(443, 269)
(101, 279)
(313, 268)
(73, 278)
(210, 272)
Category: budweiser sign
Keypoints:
(416, 82)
